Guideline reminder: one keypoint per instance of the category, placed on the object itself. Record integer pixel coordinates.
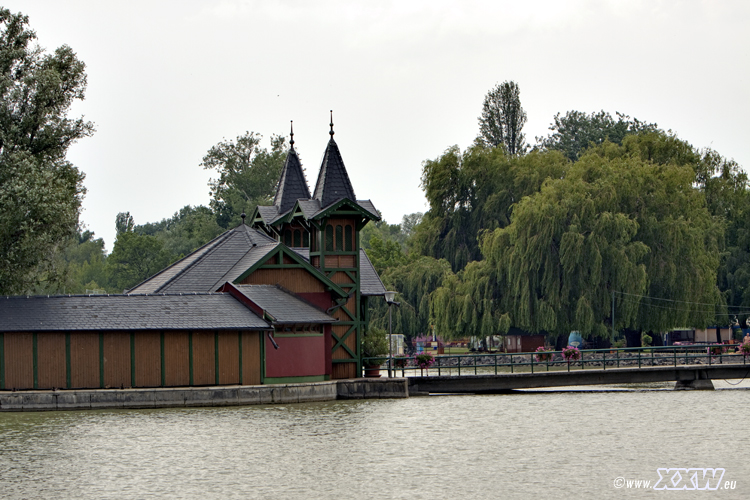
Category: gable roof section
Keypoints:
(333, 181)
(343, 204)
(279, 252)
(205, 269)
(292, 183)
(215, 311)
(281, 306)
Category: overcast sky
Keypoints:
(406, 79)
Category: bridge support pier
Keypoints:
(703, 384)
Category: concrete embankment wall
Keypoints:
(203, 396)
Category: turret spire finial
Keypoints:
(331, 132)
(291, 134)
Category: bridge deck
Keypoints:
(491, 384)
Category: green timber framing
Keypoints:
(342, 209)
(68, 364)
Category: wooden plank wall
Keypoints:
(294, 280)
(116, 359)
(85, 360)
(51, 350)
(251, 358)
(176, 358)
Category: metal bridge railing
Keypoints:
(531, 362)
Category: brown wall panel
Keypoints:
(204, 362)
(251, 362)
(294, 280)
(117, 359)
(229, 358)
(341, 278)
(347, 261)
(176, 359)
(344, 370)
(19, 361)
(51, 360)
(147, 359)
(84, 360)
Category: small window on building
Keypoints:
(306, 239)
(348, 239)
(339, 237)
(329, 238)
(297, 238)
(288, 237)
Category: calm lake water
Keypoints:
(530, 445)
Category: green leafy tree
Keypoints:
(472, 192)
(247, 175)
(618, 222)
(184, 232)
(576, 131)
(134, 258)
(40, 192)
(503, 118)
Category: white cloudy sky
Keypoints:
(406, 79)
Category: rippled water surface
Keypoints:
(531, 445)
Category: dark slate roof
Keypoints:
(292, 184)
(283, 306)
(367, 205)
(333, 181)
(216, 311)
(268, 214)
(223, 259)
(369, 281)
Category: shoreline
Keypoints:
(177, 397)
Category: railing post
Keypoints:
(639, 357)
(495, 364)
(532, 363)
(511, 363)
(604, 360)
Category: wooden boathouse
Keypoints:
(281, 299)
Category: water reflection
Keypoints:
(543, 445)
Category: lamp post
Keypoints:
(389, 296)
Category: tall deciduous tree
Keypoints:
(247, 177)
(503, 118)
(576, 131)
(40, 192)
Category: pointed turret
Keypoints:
(333, 181)
(292, 184)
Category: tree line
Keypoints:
(608, 224)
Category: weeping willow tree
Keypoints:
(467, 305)
(624, 221)
(474, 191)
(414, 280)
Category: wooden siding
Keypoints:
(251, 359)
(19, 361)
(229, 361)
(117, 359)
(51, 369)
(204, 361)
(84, 360)
(176, 358)
(147, 359)
(294, 280)
(344, 370)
